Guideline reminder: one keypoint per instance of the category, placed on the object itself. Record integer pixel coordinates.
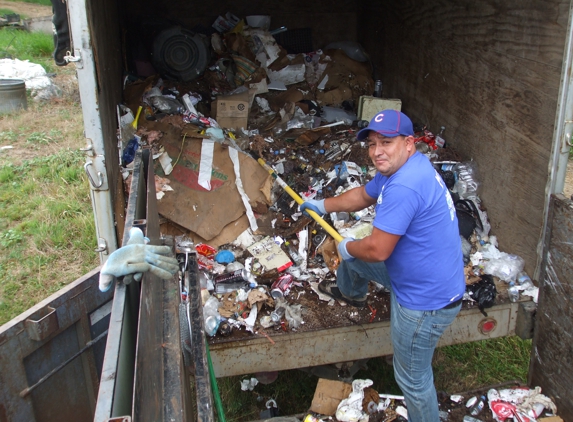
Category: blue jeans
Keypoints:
(415, 335)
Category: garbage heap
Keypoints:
(232, 140)
(360, 402)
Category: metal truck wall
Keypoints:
(489, 71)
(552, 353)
(330, 20)
(108, 53)
(39, 355)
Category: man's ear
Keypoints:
(410, 141)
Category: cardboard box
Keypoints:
(368, 106)
(328, 395)
(233, 110)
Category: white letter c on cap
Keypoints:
(379, 118)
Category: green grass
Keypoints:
(34, 46)
(457, 369)
(43, 2)
(46, 229)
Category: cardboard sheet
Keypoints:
(328, 395)
(203, 212)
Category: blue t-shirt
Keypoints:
(426, 266)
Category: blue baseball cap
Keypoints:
(389, 123)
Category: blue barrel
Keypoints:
(12, 95)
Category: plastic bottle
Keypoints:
(513, 292)
(129, 150)
(378, 88)
(296, 258)
(478, 407)
(524, 280)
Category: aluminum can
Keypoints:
(281, 287)
(277, 314)
(229, 282)
(232, 277)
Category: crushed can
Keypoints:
(278, 314)
(230, 282)
(281, 287)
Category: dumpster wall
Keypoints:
(489, 71)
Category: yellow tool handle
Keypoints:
(134, 123)
(329, 229)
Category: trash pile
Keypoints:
(241, 142)
(359, 402)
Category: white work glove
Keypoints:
(135, 258)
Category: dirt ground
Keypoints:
(29, 10)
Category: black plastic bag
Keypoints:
(468, 217)
(483, 292)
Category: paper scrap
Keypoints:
(165, 161)
(206, 164)
(234, 154)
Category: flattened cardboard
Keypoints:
(233, 110)
(204, 212)
(328, 395)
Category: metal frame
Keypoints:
(143, 376)
(48, 361)
(562, 136)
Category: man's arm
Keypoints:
(353, 200)
(374, 248)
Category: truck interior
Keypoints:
(494, 73)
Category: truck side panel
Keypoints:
(552, 354)
(361, 341)
(30, 349)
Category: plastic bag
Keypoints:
(167, 105)
(293, 315)
(506, 267)
(295, 123)
(466, 185)
(483, 292)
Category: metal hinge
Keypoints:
(101, 246)
(89, 149)
(76, 58)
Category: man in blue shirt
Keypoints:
(414, 251)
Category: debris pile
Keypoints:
(359, 402)
(241, 143)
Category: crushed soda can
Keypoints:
(229, 282)
(277, 314)
(281, 287)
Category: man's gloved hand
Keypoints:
(315, 205)
(342, 249)
(136, 258)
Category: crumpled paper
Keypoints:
(350, 409)
(249, 384)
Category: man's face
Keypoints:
(389, 154)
